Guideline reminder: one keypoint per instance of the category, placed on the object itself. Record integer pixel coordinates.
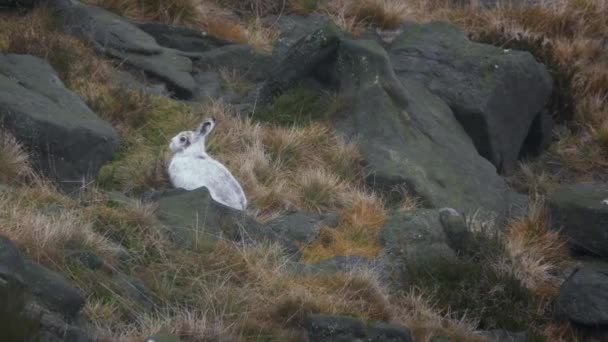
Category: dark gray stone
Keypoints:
(11, 262)
(181, 38)
(68, 141)
(414, 238)
(19, 3)
(383, 332)
(241, 58)
(300, 61)
(300, 227)
(409, 137)
(580, 212)
(194, 217)
(583, 297)
(293, 28)
(324, 328)
(137, 81)
(118, 38)
(456, 230)
(52, 289)
(495, 94)
(505, 336)
(209, 85)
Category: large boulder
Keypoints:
(194, 217)
(495, 94)
(242, 59)
(181, 38)
(326, 328)
(292, 28)
(53, 290)
(24, 286)
(68, 141)
(301, 60)
(301, 227)
(580, 212)
(583, 297)
(412, 239)
(118, 38)
(410, 138)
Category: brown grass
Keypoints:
(534, 253)
(14, 160)
(170, 12)
(32, 218)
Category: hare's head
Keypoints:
(185, 139)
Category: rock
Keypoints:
(324, 328)
(19, 3)
(52, 289)
(118, 38)
(300, 61)
(53, 327)
(68, 141)
(456, 230)
(495, 94)
(136, 80)
(540, 136)
(505, 336)
(293, 28)
(11, 262)
(209, 85)
(240, 58)
(181, 38)
(133, 289)
(409, 137)
(300, 227)
(583, 297)
(413, 238)
(382, 332)
(193, 216)
(580, 212)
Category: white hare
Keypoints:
(191, 168)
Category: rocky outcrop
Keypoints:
(300, 61)
(301, 227)
(67, 140)
(410, 138)
(193, 217)
(583, 297)
(325, 328)
(41, 300)
(580, 212)
(495, 94)
(181, 38)
(413, 238)
(243, 59)
(118, 38)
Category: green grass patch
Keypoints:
(299, 106)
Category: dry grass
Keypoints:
(356, 233)
(534, 254)
(170, 12)
(34, 218)
(14, 161)
(353, 16)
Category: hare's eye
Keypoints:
(182, 139)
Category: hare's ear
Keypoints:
(206, 127)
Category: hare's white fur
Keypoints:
(191, 168)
